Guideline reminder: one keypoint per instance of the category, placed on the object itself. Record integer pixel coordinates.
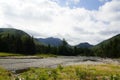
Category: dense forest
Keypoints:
(16, 44)
(16, 41)
(108, 48)
(26, 45)
(64, 49)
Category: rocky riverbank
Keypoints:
(14, 63)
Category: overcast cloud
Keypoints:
(46, 18)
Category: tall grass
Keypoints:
(4, 54)
(6, 75)
(81, 72)
(77, 72)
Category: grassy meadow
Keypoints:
(6, 75)
(79, 72)
(4, 54)
(76, 72)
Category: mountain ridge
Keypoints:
(84, 45)
(109, 47)
(50, 41)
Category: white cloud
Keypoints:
(110, 11)
(69, 2)
(103, 0)
(48, 18)
(76, 1)
(110, 15)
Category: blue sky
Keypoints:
(87, 4)
(75, 20)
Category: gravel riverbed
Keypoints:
(14, 64)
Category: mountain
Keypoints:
(11, 31)
(108, 48)
(15, 32)
(84, 45)
(113, 39)
(16, 41)
(52, 41)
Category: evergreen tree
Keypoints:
(14, 44)
(29, 46)
(63, 49)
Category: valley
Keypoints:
(13, 64)
(23, 57)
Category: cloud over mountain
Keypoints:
(46, 18)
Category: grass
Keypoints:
(4, 54)
(76, 72)
(6, 75)
(80, 72)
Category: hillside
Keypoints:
(16, 41)
(11, 31)
(108, 48)
(16, 32)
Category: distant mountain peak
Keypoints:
(50, 40)
(84, 45)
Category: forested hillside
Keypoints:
(108, 48)
(16, 41)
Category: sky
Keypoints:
(75, 20)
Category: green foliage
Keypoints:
(17, 44)
(60, 67)
(78, 72)
(81, 72)
(3, 54)
(108, 48)
(6, 75)
(63, 49)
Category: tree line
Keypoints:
(17, 44)
(26, 45)
(109, 48)
(64, 49)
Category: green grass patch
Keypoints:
(4, 54)
(79, 72)
(6, 75)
